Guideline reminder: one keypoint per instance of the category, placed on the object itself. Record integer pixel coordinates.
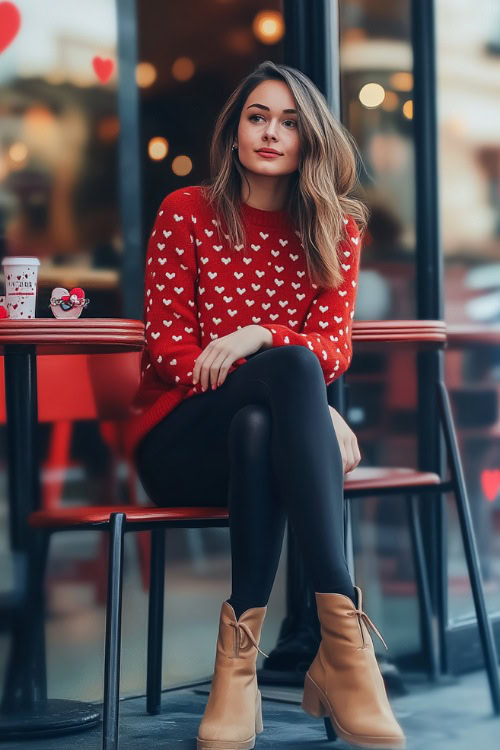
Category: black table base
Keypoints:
(48, 718)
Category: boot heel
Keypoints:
(311, 702)
(259, 727)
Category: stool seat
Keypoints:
(375, 477)
(101, 514)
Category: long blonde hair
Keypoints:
(318, 197)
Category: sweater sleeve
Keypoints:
(172, 330)
(327, 326)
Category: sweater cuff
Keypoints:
(278, 338)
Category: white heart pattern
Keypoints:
(222, 288)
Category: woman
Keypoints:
(250, 293)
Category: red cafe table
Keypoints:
(25, 710)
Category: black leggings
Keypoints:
(262, 443)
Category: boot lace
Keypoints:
(240, 628)
(363, 616)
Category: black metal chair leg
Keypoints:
(348, 541)
(330, 731)
(424, 596)
(469, 542)
(155, 621)
(113, 633)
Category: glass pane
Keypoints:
(469, 178)
(59, 150)
(376, 86)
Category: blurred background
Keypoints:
(63, 105)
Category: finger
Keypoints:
(215, 368)
(342, 453)
(224, 369)
(201, 365)
(357, 454)
(210, 368)
(197, 365)
(349, 456)
(205, 368)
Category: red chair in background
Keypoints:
(83, 387)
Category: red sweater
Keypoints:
(196, 291)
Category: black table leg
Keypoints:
(25, 710)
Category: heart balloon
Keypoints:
(103, 68)
(10, 21)
(490, 483)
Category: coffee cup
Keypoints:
(21, 274)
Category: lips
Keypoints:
(268, 151)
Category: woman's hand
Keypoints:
(212, 366)
(348, 442)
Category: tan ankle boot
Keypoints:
(233, 714)
(344, 681)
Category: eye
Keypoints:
(292, 121)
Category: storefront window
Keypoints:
(468, 55)
(59, 147)
(377, 108)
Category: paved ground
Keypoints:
(453, 717)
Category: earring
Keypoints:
(234, 146)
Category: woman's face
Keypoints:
(266, 123)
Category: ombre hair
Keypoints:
(318, 196)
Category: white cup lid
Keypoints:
(14, 260)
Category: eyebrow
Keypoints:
(262, 106)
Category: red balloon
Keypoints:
(103, 68)
(10, 22)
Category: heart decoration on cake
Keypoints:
(10, 22)
(103, 68)
(66, 304)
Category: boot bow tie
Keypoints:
(368, 622)
(240, 628)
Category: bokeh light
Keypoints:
(183, 69)
(372, 95)
(145, 74)
(108, 128)
(157, 148)
(18, 152)
(268, 26)
(401, 81)
(408, 109)
(391, 101)
(182, 165)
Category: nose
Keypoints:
(270, 132)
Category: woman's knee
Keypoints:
(250, 431)
(294, 362)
